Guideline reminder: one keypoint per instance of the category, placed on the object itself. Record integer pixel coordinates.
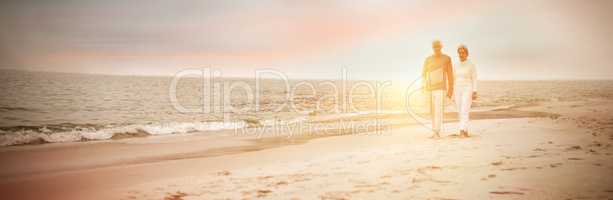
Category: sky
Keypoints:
(382, 40)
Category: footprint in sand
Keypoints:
(178, 195)
(385, 177)
(224, 173)
(427, 177)
(132, 194)
(335, 195)
(574, 148)
(506, 193)
(263, 193)
(595, 144)
(264, 177)
(488, 177)
(497, 163)
(281, 183)
(245, 192)
(423, 170)
(514, 168)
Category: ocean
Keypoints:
(48, 107)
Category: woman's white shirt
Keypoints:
(465, 75)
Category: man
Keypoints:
(438, 78)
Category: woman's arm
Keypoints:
(473, 77)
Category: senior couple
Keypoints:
(457, 81)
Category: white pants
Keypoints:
(436, 109)
(463, 99)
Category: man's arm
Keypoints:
(424, 76)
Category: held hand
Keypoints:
(450, 93)
(474, 95)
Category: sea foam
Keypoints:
(44, 135)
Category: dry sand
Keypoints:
(565, 156)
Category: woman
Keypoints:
(465, 88)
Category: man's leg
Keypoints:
(437, 109)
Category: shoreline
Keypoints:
(120, 167)
(401, 119)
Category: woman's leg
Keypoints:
(463, 100)
(466, 103)
(458, 103)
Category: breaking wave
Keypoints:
(37, 135)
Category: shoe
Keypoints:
(435, 135)
(464, 133)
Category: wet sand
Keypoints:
(556, 151)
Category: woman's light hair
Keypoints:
(462, 46)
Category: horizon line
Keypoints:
(303, 78)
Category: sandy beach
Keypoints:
(564, 155)
(300, 100)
